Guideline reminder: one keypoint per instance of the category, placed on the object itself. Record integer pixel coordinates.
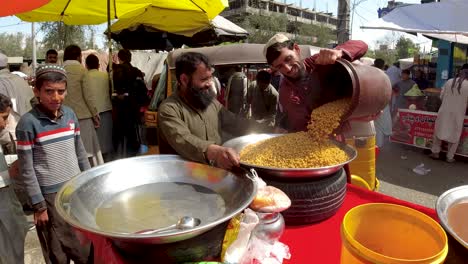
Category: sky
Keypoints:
(363, 13)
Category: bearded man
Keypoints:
(192, 124)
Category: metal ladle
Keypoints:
(185, 222)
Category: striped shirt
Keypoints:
(50, 151)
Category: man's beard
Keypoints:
(198, 97)
(301, 74)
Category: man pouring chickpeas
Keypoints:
(300, 91)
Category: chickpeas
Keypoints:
(326, 118)
(310, 149)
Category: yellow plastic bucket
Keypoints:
(358, 181)
(391, 234)
(364, 164)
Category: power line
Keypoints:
(11, 25)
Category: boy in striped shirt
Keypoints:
(50, 152)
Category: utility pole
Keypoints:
(343, 21)
(34, 52)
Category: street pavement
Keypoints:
(395, 165)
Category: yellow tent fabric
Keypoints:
(89, 12)
(181, 22)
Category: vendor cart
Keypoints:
(416, 128)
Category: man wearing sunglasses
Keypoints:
(300, 90)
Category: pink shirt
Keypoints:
(299, 97)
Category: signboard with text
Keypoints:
(413, 127)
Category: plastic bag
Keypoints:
(237, 249)
(261, 251)
(421, 170)
(269, 199)
(414, 91)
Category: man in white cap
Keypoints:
(300, 90)
(15, 87)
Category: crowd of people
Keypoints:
(68, 120)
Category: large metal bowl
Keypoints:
(78, 199)
(240, 142)
(443, 204)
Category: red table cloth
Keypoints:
(321, 242)
(315, 243)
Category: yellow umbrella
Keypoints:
(89, 12)
(180, 22)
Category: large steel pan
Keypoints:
(443, 204)
(78, 199)
(240, 142)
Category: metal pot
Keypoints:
(78, 199)
(445, 202)
(369, 87)
(270, 226)
(240, 142)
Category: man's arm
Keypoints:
(353, 49)
(27, 177)
(272, 106)
(81, 154)
(88, 95)
(350, 50)
(179, 136)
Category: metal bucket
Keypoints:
(369, 87)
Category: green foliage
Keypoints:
(406, 48)
(370, 53)
(57, 35)
(316, 35)
(11, 44)
(19, 45)
(389, 56)
(262, 28)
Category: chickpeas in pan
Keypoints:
(311, 149)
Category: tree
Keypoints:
(262, 28)
(388, 55)
(370, 53)
(406, 48)
(316, 35)
(12, 44)
(57, 35)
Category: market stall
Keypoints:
(416, 128)
(316, 243)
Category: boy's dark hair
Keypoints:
(379, 63)
(274, 51)
(92, 61)
(263, 76)
(187, 63)
(5, 102)
(53, 77)
(406, 72)
(51, 51)
(125, 55)
(72, 52)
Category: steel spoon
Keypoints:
(185, 222)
